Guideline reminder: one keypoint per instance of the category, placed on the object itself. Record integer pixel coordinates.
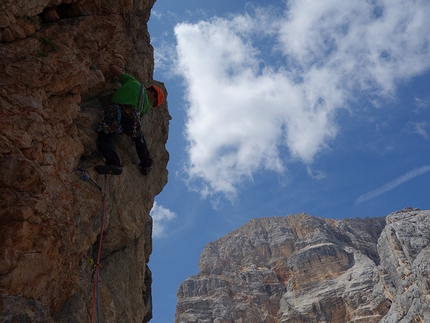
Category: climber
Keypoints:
(129, 104)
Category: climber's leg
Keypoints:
(107, 148)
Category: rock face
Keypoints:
(306, 269)
(54, 82)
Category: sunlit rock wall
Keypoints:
(54, 81)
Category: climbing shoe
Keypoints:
(145, 170)
(108, 169)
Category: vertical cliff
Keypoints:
(54, 81)
(306, 269)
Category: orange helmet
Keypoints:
(160, 94)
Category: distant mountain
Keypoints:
(307, 269)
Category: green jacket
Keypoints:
(130, 92)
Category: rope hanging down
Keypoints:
(96, 303)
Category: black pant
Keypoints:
(107, 148)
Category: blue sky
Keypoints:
(281, 107)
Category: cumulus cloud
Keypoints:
(264, 89)
(393, 184)
(160, 216)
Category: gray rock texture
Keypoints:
(404, 248)
(306, 269)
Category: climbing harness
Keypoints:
(96, 264)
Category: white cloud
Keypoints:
(243, 109)
(163, 55)
(160, 216)
(420, 105)
(364, 45)
(157, 14)
(419, 128)
(393, 184)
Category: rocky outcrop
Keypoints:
(404, 273)
(306, 269)
(54, 82)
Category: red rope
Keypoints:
(97, 264)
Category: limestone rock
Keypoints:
(7, 35)
(27, 26)
(17, 31)
(306, 269)
(404, 247)
(4, 21)
(50, 14)
(54, 85)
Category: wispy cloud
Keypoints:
(157, 14)
(419, 128)
(420, 105)
(393, 184)
(160, 216)
(165, 55)
(257, 82)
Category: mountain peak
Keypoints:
(302, 268)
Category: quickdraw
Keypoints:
(86, 177)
